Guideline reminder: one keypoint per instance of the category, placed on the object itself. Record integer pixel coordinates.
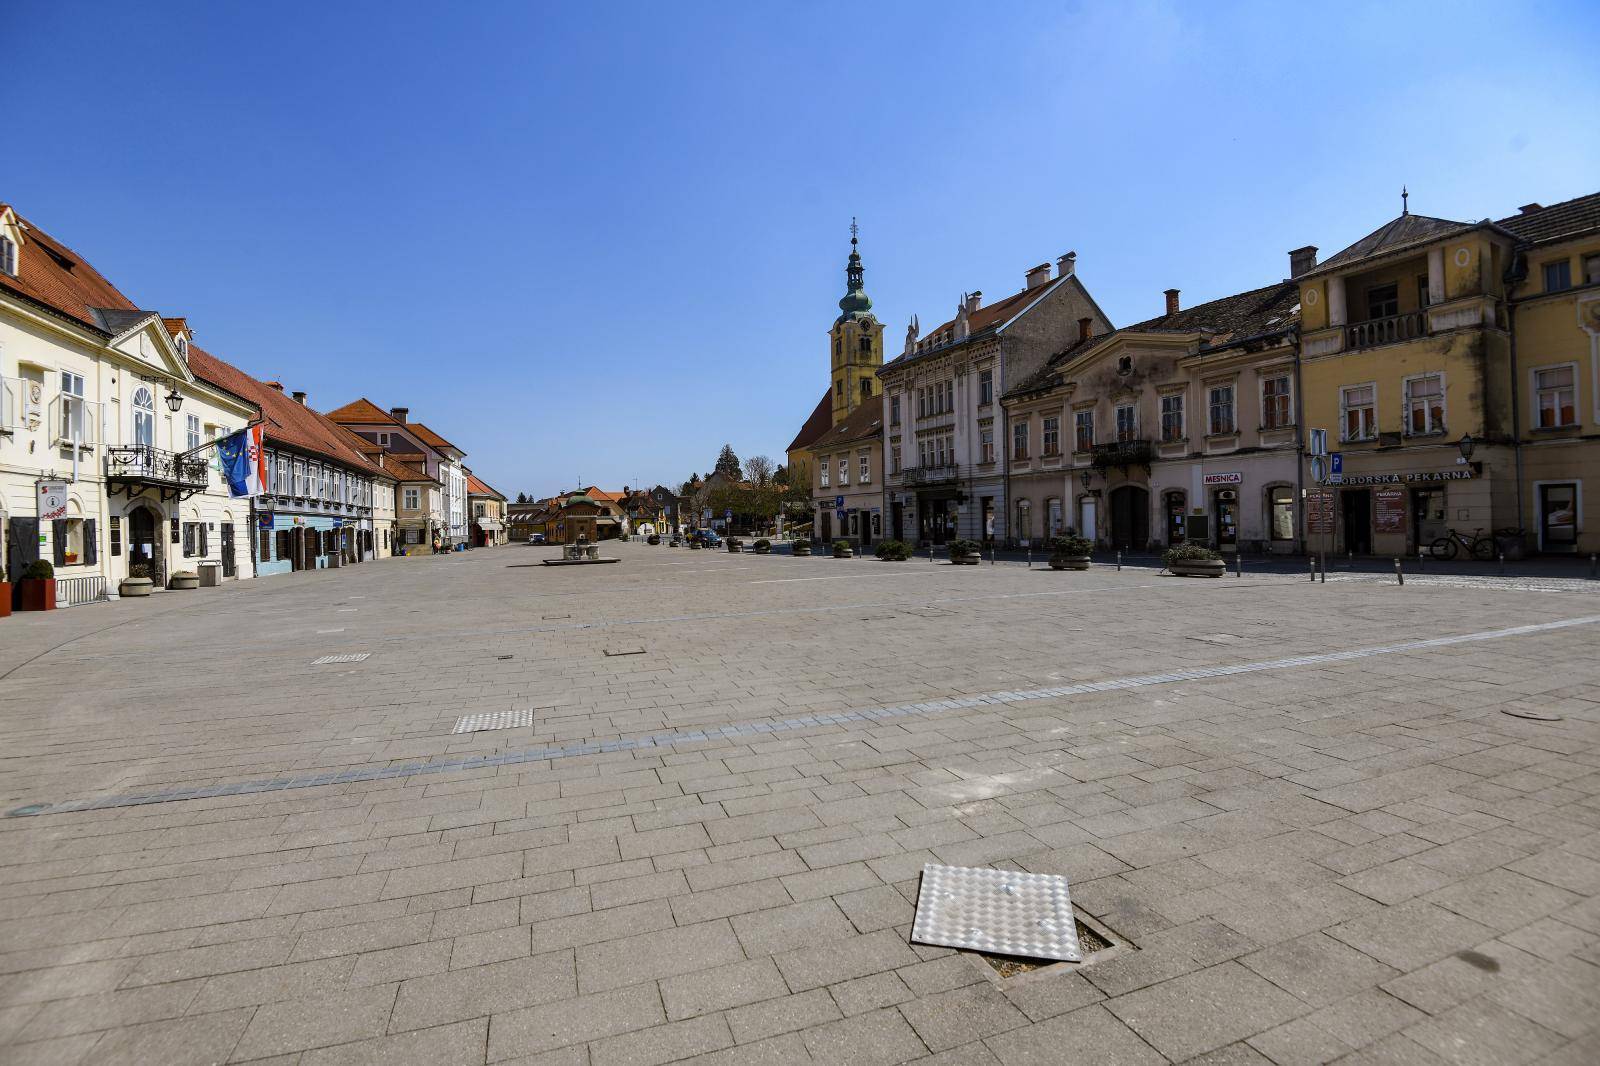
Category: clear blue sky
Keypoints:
(597, 241)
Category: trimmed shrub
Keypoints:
(39, 570)
(894, 551)
(1189, 553)
(1071, 544)
(965, 547)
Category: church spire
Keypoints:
(855, 301)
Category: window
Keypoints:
(8, 256)
(191, 537)
(1359, 404)
(986, 445)
(1556, 395)
(838, 387)
(1172, 417)
(894, 458)
(115, 535)
(1019, 441)
(383, 440)
(192, 432)
(413, 499)
(1557, 275)
(866, 388)
(72, 427)
(865, 465)
(922, 403)
(894, 410)
(1221, 402)
(1053, 516)
(1083, 430)
(1275, 411)
(70, 551)
(1425, 404)
(1422, 290)
(1127, 422)
(844, 470)
(1051, 436)
(1280, 507)
(944, 455)
(1591, 270)
(1024, 519)
(866, 345)
(264, 551)
(1383, 301)
(986, 386)
(823, 465)
(182, 344)
(144, 417)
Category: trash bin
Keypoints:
(210, 574)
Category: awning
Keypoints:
(490, 523)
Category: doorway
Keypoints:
(1130, 518)
(1356, 507)
(1429, 519)
(1225, 505)
(827, 527)
(897, 520)
(1173, 506)
(144, 543)
(1558, 517)
(1088, 519)
(229, 567)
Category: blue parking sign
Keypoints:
(1336, 463)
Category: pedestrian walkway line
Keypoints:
(735, 730)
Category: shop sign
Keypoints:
(1234, 478)
(1415, 477)
(52, 500)
(1319, 511)
(1389, 511)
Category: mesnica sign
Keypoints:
(1463, 474)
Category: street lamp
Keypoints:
(1086, 477)
(1466, 444)
(174, 401)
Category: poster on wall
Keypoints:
(1389, 510)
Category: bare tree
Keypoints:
(759, 469)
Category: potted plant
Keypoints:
(893, 551)
(1070, 552)
(842, 550)
(5, 594)
(735, 544)
(763, 546)
(69, 558)
(183, 579)
(138, 582)
(654, 538)
(965, 552)
(1193, 560)
(802, 547)
(37, 589)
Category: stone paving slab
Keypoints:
(1315, 832)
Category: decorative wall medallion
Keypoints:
(1312, 297)
(1463, 257)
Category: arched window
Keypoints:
(866, 388)
(144, 417)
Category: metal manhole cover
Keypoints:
(474, 723)
(329, 660)
(999, 912)
(1089, 942)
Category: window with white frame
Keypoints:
(1050, 436)
(986, 444)
(1083, 430)
(894, 410)
(1358, 405)
(1425, 404)
(865, 467)
(413, 499)
(944, 455)
(8, 256)
(72, 426)
(1019, 440)
(844, 470)
(191, 434)
(1558, 275)
(1591, 270)
(985, 386)
(72, 542)
(1556, 395)
(894, 458)
(1220, 400)
(1127, 422)
(1054, 518)
(1276, 409)
(7, 416)
(144, 417)
(1172, 417)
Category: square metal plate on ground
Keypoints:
(329, 660)
(624, 651)
(1004, 912)
(474, 723)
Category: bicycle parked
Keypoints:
(1450, 545)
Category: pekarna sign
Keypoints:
(1413, 478)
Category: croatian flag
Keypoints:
(244, 462)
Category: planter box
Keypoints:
(763, 549)
(176, 581)
(5, 599)
(802, 548)
(36, 594)
(1199, 568)
(136, 586)
(735, 547)
(965, 560)
(1069, 562)
(843, 553)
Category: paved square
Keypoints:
(1299, 803)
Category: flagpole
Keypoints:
(213, 443)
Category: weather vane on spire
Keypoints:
(1405, 201)
(855, 230)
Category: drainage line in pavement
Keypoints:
(759, 728)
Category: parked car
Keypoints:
(707, 537)
(535, 538)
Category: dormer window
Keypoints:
(8, 256)
(182, 343)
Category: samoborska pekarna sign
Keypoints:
(1413, 478)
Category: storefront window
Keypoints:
(1281, 519)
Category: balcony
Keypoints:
(919, 476)
(141, 466)
(1391, 329)
(1121, 454)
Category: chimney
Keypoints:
(399, 414)
(1066, 265)
(1302, 259)
(1172, 301)
(1084, 327)
(299, 398)
(1038, 275)
(1528, 209)
(275, 385)
(974, 300)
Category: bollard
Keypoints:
(1119, 560)
(1594, 573)
(1502, 564)
(1420, 556)
(1322, 565)
(1238, 564)
(1030, 555)
(1311, 566)
(1400, 575)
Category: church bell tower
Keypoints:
(856, 340)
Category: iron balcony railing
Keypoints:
(1121, 454)
(141, 462)
(1390, 329)
(914, 476)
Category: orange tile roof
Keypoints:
(476, 487)
(816, 425)
(50, 273)
(404, 471)
(361, 412)
(429, 437)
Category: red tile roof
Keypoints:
(815, 426)
(428, 436)
(50, 273)
(476, 487)
(361, 412)
(406, 472)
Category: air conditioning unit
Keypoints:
(1227, 495)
